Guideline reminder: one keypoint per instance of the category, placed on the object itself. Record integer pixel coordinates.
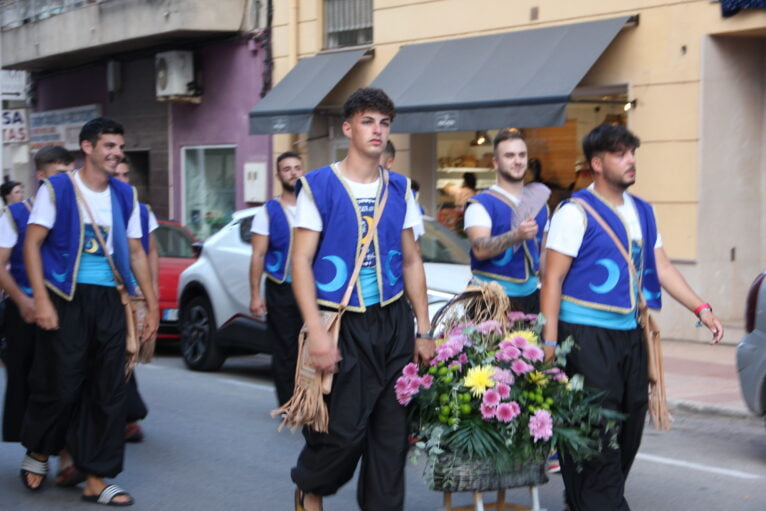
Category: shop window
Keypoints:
(347, 23)
(209, 191)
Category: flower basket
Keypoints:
(449, 473)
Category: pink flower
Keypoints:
(520, 367)
(520, 342)
(427, 381)
(488, 327)
(401, 384)
(534, 353)
(410, 370)
(413, 385)
(505, 412)
(503, 390)
(463, 358)
(491, 398)
(487, 412)
(531, 317)
(503, 376)
(515, 408)
(514, 316)
(541, 425)
(403, 398)
(457, 364)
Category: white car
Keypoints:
(214, 292)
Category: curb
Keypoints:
(683, 405)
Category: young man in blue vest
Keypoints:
(135, 407)
(272, 242)
(589, 293)
(500, 251)
(19, 311)
(336, 206)
(77, 381)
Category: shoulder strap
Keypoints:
(80, 198)
(360, 258)
(616, 241)
(502, 197)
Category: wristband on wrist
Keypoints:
(701, 308)
(550, 344)
(424, 335)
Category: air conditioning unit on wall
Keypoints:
(174, 72)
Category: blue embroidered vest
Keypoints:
(341, 238)
(599, 277)
(509, 265)
(277, 260)
(20, 215)
(61, 250)
(143, 210)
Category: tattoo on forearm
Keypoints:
(495, 244)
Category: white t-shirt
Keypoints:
(8, 234)
(260, 223)
(152, 221)
(476, 215)
(44, 211)
(569, 222)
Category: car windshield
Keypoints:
(440, 245)
(173, 241)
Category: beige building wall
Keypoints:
(700, 102)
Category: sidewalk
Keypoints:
(703, 378)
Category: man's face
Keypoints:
(510, 160)
(289, 172)
(368, 132)
(122, 172)
(618, 168)
(51, 169)
(107, 152)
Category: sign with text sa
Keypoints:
(15, 126)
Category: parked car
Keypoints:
(751, 351)
(214, 292)
(175, 245)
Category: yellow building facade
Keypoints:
(698, 82)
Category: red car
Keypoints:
(177, 250)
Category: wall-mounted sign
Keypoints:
(60, 127)
(15, 126)
(14, 85)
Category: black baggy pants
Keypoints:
(529, 304)
(77, 383)
(19, 353)
(135, 407)
(614, 361)
(285, 321)
(366, 421)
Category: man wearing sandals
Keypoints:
(19, 311)
(589, 293)
(504, 249)
(272, 243)
(336, 209)
(78, 376)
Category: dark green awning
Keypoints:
(521, 79)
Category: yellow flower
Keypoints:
(529, 335)
(538, 378)
(478, 379)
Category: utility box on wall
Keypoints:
(256, 182)
(174, 73)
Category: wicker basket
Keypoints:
(448, 473)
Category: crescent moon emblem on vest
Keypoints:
(392, 279)
(649, 295)
(91, 247)
(58, 277)
(503, 259)
(612, 278)
(341, 274)
(272, 267)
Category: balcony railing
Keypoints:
(14, 13)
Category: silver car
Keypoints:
(751, 351)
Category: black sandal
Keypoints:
(34, 466)
(107, 495)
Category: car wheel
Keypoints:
(198, 347)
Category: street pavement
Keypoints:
(210, 444)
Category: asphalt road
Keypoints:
(210, 444)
